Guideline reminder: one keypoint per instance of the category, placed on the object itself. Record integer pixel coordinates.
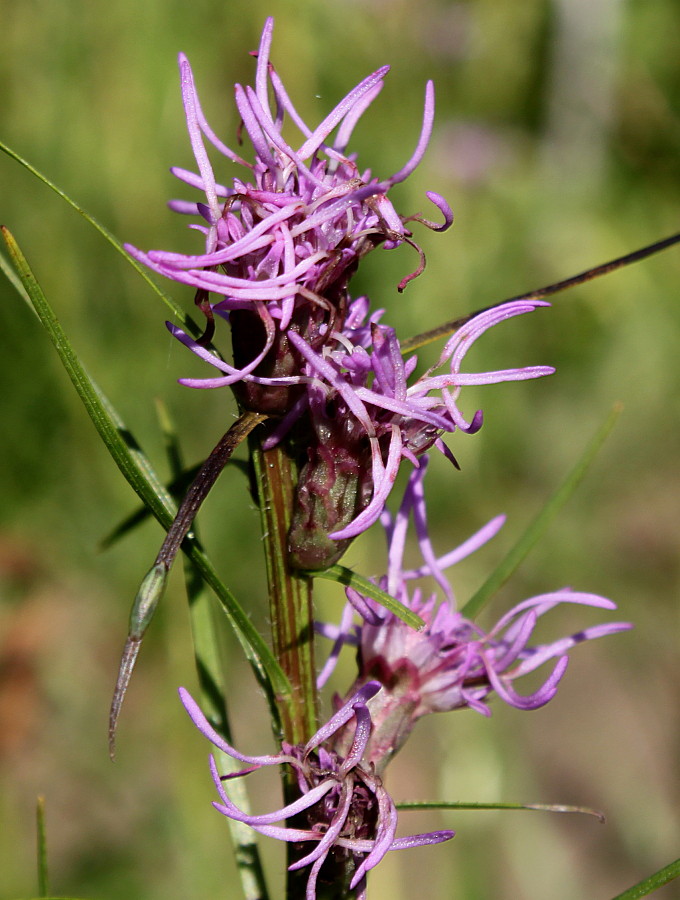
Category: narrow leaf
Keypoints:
(350, 579)
(43, 880)
(153, 585)
(541, 807)
(176, 488)
(540, 523)
(211, 667)
(448, 328)
(139, 473)
(177, 311)
(653, 883)
(143, 609)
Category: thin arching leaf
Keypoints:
(177, 311)
(363, 586)
(448, 328)
(653, 883)
(542, 520)
(153, 586)
(139, 473)
(211, 667)
(539, 807)
(176, 488)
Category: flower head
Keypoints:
(282, 242)
(350, 815)
(452, 663)
(368, 418)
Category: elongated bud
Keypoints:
(334, 487)
(150, 592)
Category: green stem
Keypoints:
(43, 879)
(291, 614)
(290, 593)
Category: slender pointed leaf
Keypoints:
(448, 328)
(540, 807)
(139, 473)
(653, 883)
(212, 677)
(43, 879)
(176, 488)
(153, 585)
(346, 576)
(541, 522)
(186, 321)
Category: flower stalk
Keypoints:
(290, 593)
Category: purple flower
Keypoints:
(367, 417)
(350, 815)
(452, 663)
(282, 243)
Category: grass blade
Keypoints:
(541, 522)
(177, 311)
(653, 883)
(540, 807)
(365, 587)
(212, 673)
(139, 473)
(177, 488)
(43, 879)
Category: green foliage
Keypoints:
(343, 575)
(541, 522)
(43, 876)
(653, 883)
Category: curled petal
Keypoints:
(533, 701)
(424, 139)
(209, 732)
(343, 715)
(443, 207)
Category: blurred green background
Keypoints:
(557, 143)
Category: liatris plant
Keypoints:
(331, 403)
(338, 409)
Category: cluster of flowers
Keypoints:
(281, 247)
(403, 674)
(280, 251)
